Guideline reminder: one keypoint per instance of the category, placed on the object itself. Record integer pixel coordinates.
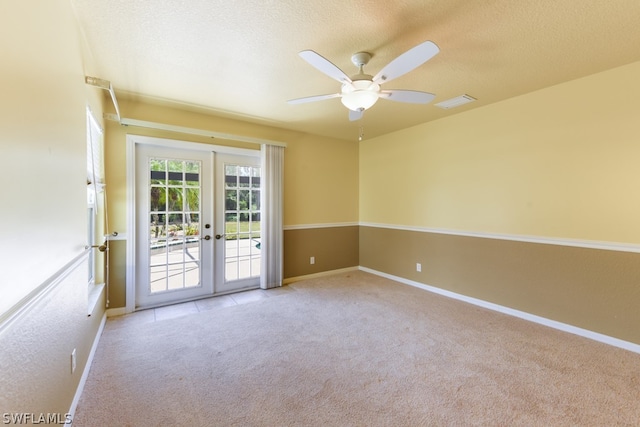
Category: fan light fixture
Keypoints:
(360, 95)
(361, 91)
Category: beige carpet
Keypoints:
(355, 350)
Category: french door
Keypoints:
(238, 246)
(197, 224)
(174, 207)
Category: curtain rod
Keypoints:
(106, 85)
(193, 131)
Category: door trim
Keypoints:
(132, 141)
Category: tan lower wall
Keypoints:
(117, 273)
(333, 248)
(35, 356)
(592, 289)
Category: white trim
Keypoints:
(95, 293)
(200, 132)
(591, 244)
(324, 225)
(320, 274)
(87, 367)
(606, 339)
(23, 306)
(130, 285)
(113, 237)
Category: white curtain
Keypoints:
(271, 197)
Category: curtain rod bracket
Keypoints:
(106, 85)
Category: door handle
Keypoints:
(219, 236)
(207, 237)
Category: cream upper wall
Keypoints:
(321, 181)
(321, 174)
(561, 162)
(42, 144)
(44, 206)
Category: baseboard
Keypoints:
(606, 339)
(87, 368)
(315, 275)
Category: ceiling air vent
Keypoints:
(455, 102)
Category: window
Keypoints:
(95, 208)
(91, 227)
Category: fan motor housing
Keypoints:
(360, 59)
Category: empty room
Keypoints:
(356, 213)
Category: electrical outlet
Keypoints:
(418, 267)
(312, 260)
(73, 361)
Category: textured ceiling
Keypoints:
(239, 58)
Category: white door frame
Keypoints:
(132, 141)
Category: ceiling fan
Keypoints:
(361, 91)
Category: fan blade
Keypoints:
(325, 66)
(410, 96)
(406, 62)
(314, 98)
(355, 115)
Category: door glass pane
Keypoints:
(244, 173)
(158, 171)
(158, 198)
(255, 200)
(174, 198)
(157, 275)
(255, 178)
(242, 222)
(174, 240)
(231, 176)
(231, 200)
(192, 199)
(192, 173)
(192, 226)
